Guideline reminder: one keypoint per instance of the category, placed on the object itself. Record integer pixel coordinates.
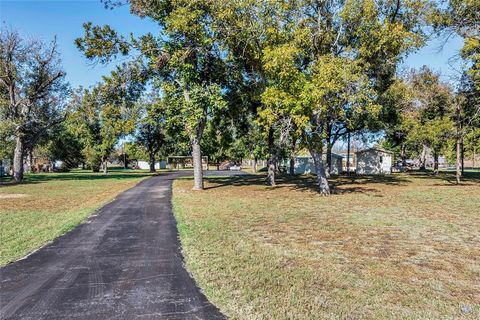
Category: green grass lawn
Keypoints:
(48, 205)
(399, 247)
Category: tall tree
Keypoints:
(432, 109)
(282, 44)
(105, 113)
(462, 17)
(184, 54)
(151, 129)
(350, 52)
(33, 91)
(281, 110)
(63, 145)
(253, 33)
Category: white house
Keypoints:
(374, 161)
(305, 165)
(144, 165)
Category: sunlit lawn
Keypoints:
(48, 205)
(400, 247)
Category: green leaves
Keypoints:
(425, 109)
(102, 43)
(102, 115)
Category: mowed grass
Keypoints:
(399, 247)
(46, 206)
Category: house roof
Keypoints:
(375, 149)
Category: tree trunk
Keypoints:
(255, 165)
(474, 155)
(197, 165)
(423, 158)
(462, 154)
(435, 163)
(271, 164)
(328, 168)
(96, 166)
(18, 160)
(105, 167)
(292, 156)
(459, 142)
(152, 162)
(458, 162)
(292, 165)
(30, 168)
(403, 155)
(328, 138)
(324, 189)
(348, 153)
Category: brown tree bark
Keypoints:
(403, 155)
(197, 165)
(292, 156)
(423, 158)
(348, 153)
(271, 165)
(105, 166)
(30, 164)
(462, 155)
(96, 167)
(457, 167)
(152, 162)
(18, 159)
(435, 163)
(474, 156)
(292, 165)
(322, 181)
(328, 168)
(459, 143)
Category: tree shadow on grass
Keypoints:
(77, 175)
(338, 184)
(448, 178)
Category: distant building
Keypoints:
(144, 165)
(305, 165)
(374, 161)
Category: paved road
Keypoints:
(124, 263)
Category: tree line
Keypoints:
(263, 78)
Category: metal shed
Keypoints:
(305, 165)
(374, 161)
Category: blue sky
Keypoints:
(64, 18)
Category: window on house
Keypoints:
(381, 159)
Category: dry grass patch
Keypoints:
(46, 206)
(405, 246)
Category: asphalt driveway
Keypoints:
(123, 263)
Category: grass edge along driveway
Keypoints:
(398, 247)
(48, 205)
